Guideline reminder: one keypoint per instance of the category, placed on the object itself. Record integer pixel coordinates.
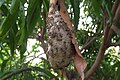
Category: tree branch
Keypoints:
(15, 72)
(106, 42)
(117, 16)
(116, 29)
(101, 52)
(104, 12)
(115, 6)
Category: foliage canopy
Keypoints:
(93, 20)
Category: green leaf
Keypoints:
(117, 74)
(21, 23)
(12, 38)
(109, 13)
(76, 12)
(44, 71)
(15, 6)
(34, 20)
(1, 55)
(6, 51)
(96, 5)
(28, 76)
(4, 63)
(5, 73)
(22, 16)
(46, 5)
(1, 2)
(4, 10)
(12, 43)
(22, 37)
(22, 49)
(75, 5)
(10, 20)
(23, 1)
(32, 15)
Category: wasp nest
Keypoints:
(60, 47)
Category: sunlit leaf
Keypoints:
(6, 50)
(4, 63)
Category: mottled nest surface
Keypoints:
(60, 48)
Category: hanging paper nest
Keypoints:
(60, 47)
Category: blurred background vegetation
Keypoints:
(22, 22)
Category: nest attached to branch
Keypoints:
(60, 47)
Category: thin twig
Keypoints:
(33, 58)
(89, 42)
